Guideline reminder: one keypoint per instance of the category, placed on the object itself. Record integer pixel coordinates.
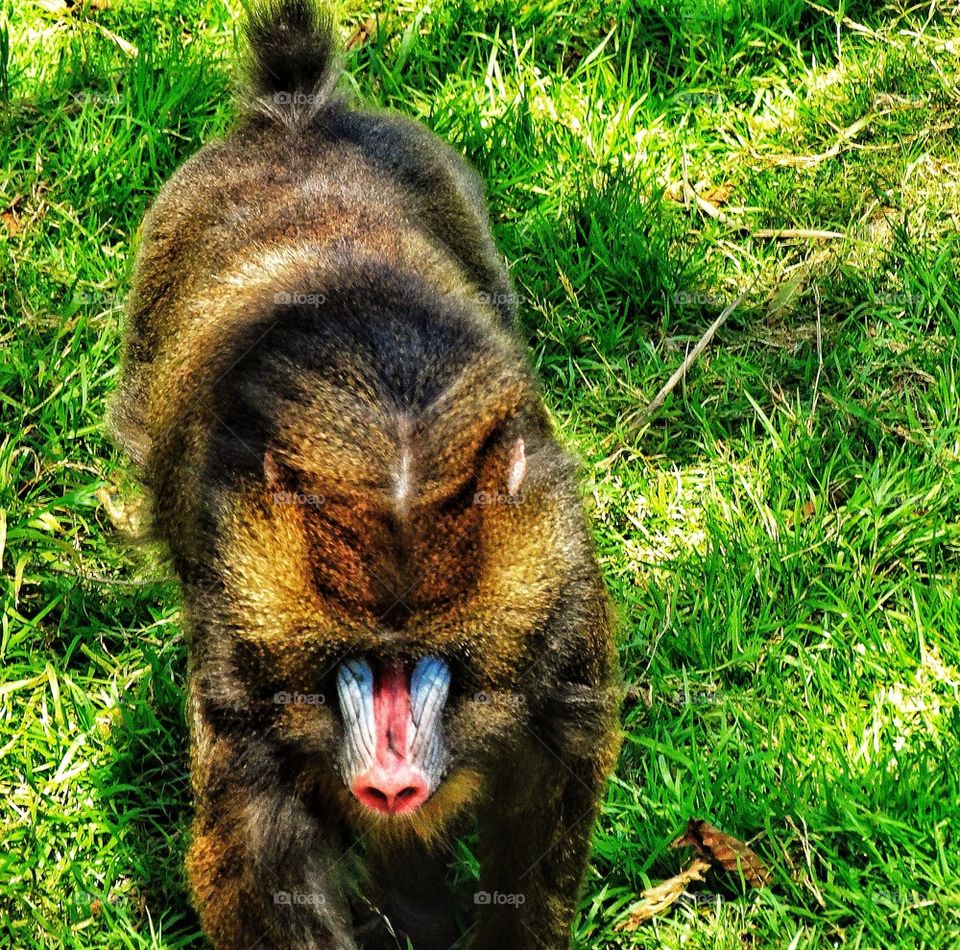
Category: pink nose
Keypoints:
(392, 791)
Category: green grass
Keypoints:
(783, 538)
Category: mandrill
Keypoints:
(398, 630)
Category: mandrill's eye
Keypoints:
(393, 755)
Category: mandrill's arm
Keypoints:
(534, 845)
(265, 870)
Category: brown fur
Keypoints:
(276, 434)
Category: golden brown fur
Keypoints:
(322, 387)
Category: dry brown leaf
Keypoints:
(637, 693)
(362, 34)
(655, 900)
(674, 192)
(707, 207)
(717, 195)
(10, 217)
(725, 851)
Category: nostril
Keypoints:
(392, 793)
(375, 796)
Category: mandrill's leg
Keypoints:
(264, 870)
(535, 839)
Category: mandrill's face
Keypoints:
(393, 755)
(423, 680)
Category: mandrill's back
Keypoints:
(320, 320)
(320, 293)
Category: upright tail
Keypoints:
(292, 61)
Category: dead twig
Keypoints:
(816, 382)
(690, 359)
(796, 233)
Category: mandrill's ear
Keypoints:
(277, 473)
(271, 470)
(278, 478)
(517, 466)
